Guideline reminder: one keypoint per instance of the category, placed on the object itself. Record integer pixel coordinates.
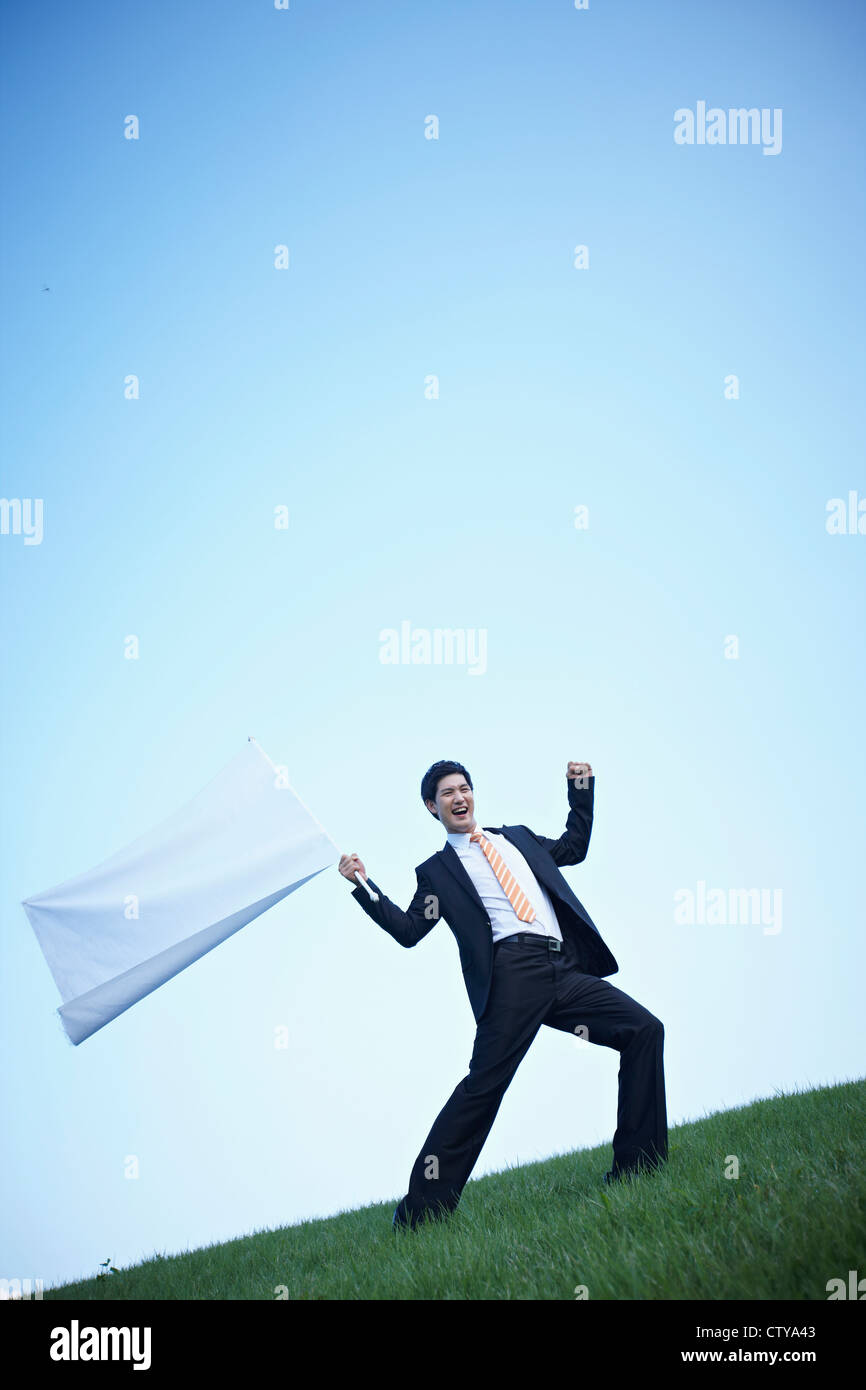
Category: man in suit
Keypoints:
(530, 954)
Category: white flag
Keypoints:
(113, 935)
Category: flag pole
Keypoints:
(363, 882)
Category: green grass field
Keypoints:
(793, 1219)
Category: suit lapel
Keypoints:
(538, 861)
(545, 870)
(452, 861)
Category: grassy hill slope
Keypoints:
(794, 1218)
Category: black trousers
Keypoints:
(533, 984)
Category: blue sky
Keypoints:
(308, 388)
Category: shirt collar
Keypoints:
(461, 837)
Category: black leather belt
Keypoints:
(532, 938)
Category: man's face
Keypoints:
(454, 804)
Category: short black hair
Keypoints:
(433, 776)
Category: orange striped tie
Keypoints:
(512, 888)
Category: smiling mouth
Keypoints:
(463, 812)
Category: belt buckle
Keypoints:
(553, 944)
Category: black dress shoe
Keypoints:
(404, 1218)
(616, 1176)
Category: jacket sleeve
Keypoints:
(407, 927)
(571, 847)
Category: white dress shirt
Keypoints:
(503, 919)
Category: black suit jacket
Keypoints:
(445, 890)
